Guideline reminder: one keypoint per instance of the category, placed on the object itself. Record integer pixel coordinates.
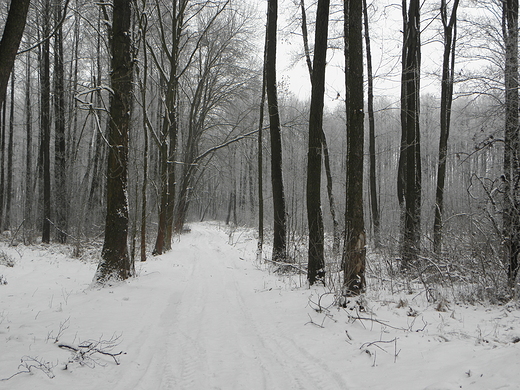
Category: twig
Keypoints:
(374, 343)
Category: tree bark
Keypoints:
(511, 212)
(354, 250)
(316, 260)
(11, 37)
(280, 218)
(328, 172)
(374, 203)
(410, 157)
(448, 64)
(61, 203)
(115, 263)
(45, 113)
(9, 187)
(28, 221)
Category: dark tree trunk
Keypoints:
(261, 164)
(115, 262)
(316, 260)
(45, 113)
(161, 229)
(355, 238)
(28, 221)
(168, 146)
(280, 218)
(410, 159)
(374, 204)
(61, 203)
(511, 164)
(9, 189)
(326, 156)
(3, 116)
(448, 64)
(11, 37)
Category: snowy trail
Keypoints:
(205, 316)
(216, 333)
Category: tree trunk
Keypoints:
(511, 214)
(3, 116)
(45, 112)
(115, 263)
(28, 221)
(410, 148)
(260, 163)
(355, 239)
(61, 203)
(280, 218)
(374, 204)
(326, 156)
(9, 189)
(316, 260)
(448, 64)
(11, 37)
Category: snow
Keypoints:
(206, 315)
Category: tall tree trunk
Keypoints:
(115, 262)
(316, 260)
(326, 155)
(280, 218)
(355, 238)
(11, 37)
(410, 147)
(3, 115)
(168, 145)
(9, 189)
(448, 64)
(45, 113)
(163, 173)
(511, 214)
(28, 223)
(260, 163)
(374, 204)
(61, 203)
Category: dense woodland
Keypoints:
(123, 121)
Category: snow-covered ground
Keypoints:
(207, 316)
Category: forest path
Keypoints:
(221, 329)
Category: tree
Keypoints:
(355, 238)
(60, 174)
(316, 261)
(448, 65)
(115, 262)
(409, 170)
(11, 37)
(326, 155)
(168, 137)
(374, 207)
(280, 223)
(45, 120)
(511, 212)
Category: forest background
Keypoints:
(193, 143)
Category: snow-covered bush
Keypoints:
(6, 259)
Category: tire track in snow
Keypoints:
(215, 336)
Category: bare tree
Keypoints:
(45, 120)
(374, 203)
(61, 202)
(280, 218)
(511, 212)
(409, 170)
(448, 65)
(115, 262)
(11, 37)
(354, 250)
(316, 260)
